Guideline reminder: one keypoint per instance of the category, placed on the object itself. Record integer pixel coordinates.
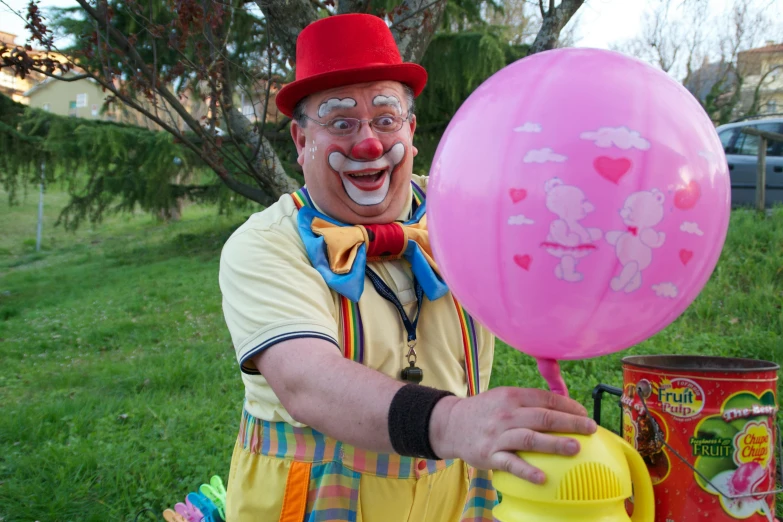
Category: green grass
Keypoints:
(119, 387)
(119, 390)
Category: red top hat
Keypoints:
(346, 49)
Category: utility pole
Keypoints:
(761, 166)
(40, 210)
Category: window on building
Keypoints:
(72, 108)
(46, 107)
(7, 80)
(772, 107)
(81, 100)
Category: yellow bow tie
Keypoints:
(382, 242)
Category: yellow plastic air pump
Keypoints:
(591, 486)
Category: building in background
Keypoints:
(13, 86)
(762, 72)
(757, 73)
(86, 98)
(80, 99)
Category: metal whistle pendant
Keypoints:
(412, 373)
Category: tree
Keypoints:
(704, 48)
(194, 67)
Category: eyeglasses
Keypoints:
(347, 126)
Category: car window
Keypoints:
(748, 145)
(776, 147)
(727, 138)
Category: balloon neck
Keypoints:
(550, 371)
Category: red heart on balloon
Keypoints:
(612, 169)
(685, 256)
(686, 198)
(517, 195)
(523, 261)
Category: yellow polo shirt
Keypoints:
(271, 293)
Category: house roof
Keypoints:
(37, 87)
(773, 48)
(7, 38)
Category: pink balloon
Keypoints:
(578, 203)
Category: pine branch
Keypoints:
(247, 191)
(268, 196)
(140, 64)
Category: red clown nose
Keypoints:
(368, 149)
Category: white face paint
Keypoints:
(335, 103)
(368, 191)
(390, 101)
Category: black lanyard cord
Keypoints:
(387, 293)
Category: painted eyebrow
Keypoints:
(335, 103)
(391, 101)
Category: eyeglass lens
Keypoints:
(344, 126)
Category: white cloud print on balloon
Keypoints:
(543, 156)
(620, 137)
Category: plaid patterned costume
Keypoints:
(325, 480)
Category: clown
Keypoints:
(366, 383)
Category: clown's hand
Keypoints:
(485, 431)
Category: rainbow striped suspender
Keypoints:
(353, 332)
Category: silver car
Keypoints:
(742, 155)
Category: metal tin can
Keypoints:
(706, 429)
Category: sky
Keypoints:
(600, 22)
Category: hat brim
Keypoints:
(411, 74)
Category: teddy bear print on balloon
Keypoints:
(634, 246)
(569, 240)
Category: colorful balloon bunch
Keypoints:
(208, 504)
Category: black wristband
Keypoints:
(409, 420)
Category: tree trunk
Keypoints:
(271, 176)
(352, 6)
(265, 167)
(413, 25)
(554, 19)
(286, 19)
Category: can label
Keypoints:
(734, 452)
(708, 442)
